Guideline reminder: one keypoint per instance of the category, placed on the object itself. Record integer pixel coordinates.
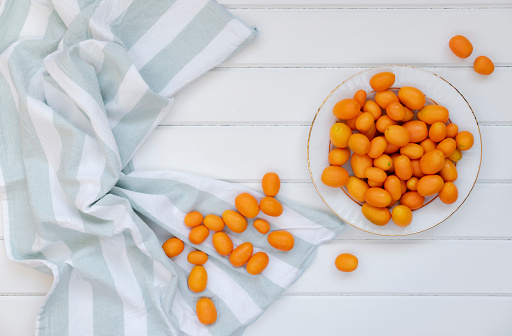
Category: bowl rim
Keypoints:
(382, 67)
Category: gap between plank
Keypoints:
(239, 124)
(283, 124)
(325, 294)
(409, 239)
(329, 7)
(308, 181)
(347, 65)
(10, 295)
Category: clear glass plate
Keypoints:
(437, 90)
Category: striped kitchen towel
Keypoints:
(83, 83)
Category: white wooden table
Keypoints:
(252, 115)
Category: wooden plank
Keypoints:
(468, 222)
(332, 316)
(295, 94)
(259, 149)
(399, 316)
(18, 314)
(401, 267)
(411, 267)
(496, 163)
(372, 36)
(255, 151)
(17, 278)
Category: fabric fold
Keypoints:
(83, 84)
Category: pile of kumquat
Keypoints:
(247, 207)
(400, 151)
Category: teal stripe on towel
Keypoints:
(138, 121)
(140, 16)
(12, 28)
(59, 299)
(190, 42)
(115, 66)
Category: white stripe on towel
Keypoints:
(172, 22)
(135, 314)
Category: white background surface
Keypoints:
(252, 115)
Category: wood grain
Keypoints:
(293, 95)
(298, 37)
(411, 267)
(18, 314)
(384, 315)
(17, 278)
